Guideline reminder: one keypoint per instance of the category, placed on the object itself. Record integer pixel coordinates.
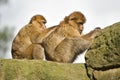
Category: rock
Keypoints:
(111, 74)
(103, 56)
(40, 70)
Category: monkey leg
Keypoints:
(68, 50)
(38, 52)
(17, 55)
(35, 51)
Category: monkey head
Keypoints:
(76, 19)
(38, 21)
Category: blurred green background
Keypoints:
(6, 34)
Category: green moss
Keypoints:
(41, 70)
(106, 48)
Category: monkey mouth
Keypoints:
(80, 31)
(43, 27)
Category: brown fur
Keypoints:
(26, 45)
(66, 42)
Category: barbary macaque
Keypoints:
(61, 43)
(65, 43)
(26, 45)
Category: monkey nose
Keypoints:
(81, 27)
(44, 27)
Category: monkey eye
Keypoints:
(72, 18)
(44, 22)
(81, 23)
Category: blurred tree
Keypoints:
(6, 35)
(3, 2)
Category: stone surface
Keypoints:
(41, 70)
(103, 57)
(111, 74)
(105, 51)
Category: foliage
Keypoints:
(6, 34)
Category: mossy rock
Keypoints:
(111, 74)
(105, 50)
(11, 69)
(103, 57)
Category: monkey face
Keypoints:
(38, 21)
(41, 19)
(41, 23)
(77, 19)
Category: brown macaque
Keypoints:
(26, 45)
(65, 43)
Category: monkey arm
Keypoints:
(92, 34)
